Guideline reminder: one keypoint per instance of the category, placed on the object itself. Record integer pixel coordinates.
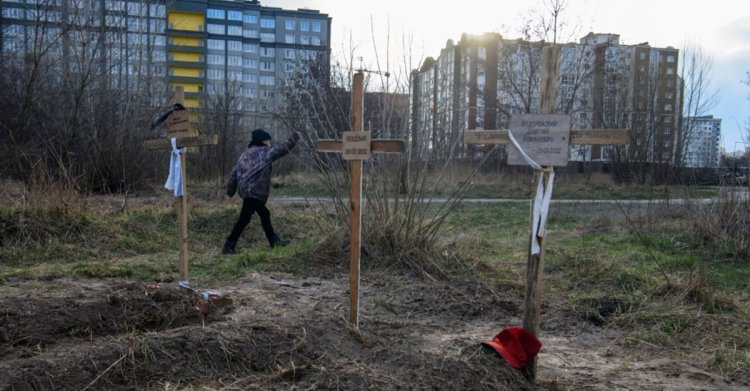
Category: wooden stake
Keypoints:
(356, 203)
(532, 306)
(183, 211)
(355, 217)
(182, 201)
(535, 262)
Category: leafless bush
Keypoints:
(401, 219)
(725, 222)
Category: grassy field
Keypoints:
(642, 273)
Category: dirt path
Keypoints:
(286, 332)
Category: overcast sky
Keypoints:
(721, 27)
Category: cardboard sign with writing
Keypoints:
(356, 145)
(487, 137)
(178, 124)
(544, 137)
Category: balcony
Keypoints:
(181, 31)
(197, 95)
(201, 48)
(187, 64)
(187, 79)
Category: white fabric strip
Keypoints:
(174, 180)
(542, 199)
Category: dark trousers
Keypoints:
(250, 206)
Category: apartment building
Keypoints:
(208, 47)
(483, 79)
(702, 141)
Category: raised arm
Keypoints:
(279, 150)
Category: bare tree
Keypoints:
(78, 96)
(699, 97)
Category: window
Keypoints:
(670, 71)
(266, 80)
(160, 40)
(248, 18)
(290, 25)
(668, 95)
(235, 46)
(134, 8)
(234, 30)
(116, 5)
(266, 65)
(234, 75)
(234, 15)
(304, 26)
(215, 59)
(267, 23)
(134, 24)
(249, 63)
(316, 27)
(288, 67)
(215, 13)
(11, 45)
(158, 11)
(249, 78)
(289, 38)
(670, 58)
(235, 61)
(248, 92)
(304, 39)
(14, 30)
(316, 41)
(267, 37)
(158, 26)
(249, 33)
(642, 55)
(216, 44)
(216, 74)
(216, 28)
(249, 48)
(266, 94)
(667, 107)
(159, 55)
(266, 52)
(289, 54)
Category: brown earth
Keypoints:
(288, 332)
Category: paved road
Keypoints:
(677, 201)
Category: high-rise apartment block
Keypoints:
(206, 46)
(483, 79)
(702, 141)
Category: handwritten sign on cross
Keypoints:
(178, 126)
(541, 140)
(355, 147)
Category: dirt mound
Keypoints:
(127, 336)
(39, 320)
(286, 332)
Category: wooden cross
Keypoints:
(357, 146)
(549, 147)
(178, 125)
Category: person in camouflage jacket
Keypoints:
(251, 178)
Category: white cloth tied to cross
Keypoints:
(542, 199)
(174, 180)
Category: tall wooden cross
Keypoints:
(357, 146)
(544, 138)
(178, 126)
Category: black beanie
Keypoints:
(259, 136)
